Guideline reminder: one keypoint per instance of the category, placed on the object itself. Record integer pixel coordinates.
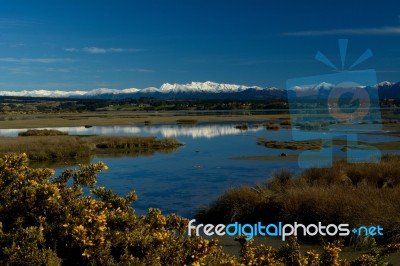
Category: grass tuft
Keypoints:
(187, 121)
(67, 148)
(42, 132)
(291, 145)
(272, 126)
(243, 126)
(358, 194)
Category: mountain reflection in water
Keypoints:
(166, 131)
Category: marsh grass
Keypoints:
(243, 126)
(318, 144)
(314, 125)
(39, 148)
(116, 146)
(187, 121)
(42, 132)
(286, 123)
(387, 121)
(291, 145)
(67, 148)
(119, 118)
(272, 126)
(357, 194)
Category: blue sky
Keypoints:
(82, 45)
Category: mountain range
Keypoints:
(383, 90)
(198, 90)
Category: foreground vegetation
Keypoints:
(46, 221)
(54, 146)
(358, 194)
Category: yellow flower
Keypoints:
(86, 253)
(102, 228)
(33, 182)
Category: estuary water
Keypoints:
(201, 170)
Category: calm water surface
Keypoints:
(197, 172)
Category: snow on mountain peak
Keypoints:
(202, 87)
(385, 84)
(42, 93)
(314, 87)
(192, 87)
(324, 86)
(110, 91)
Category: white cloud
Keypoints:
(58, 70)
(71, 49)
(352, 31)
(99, 50)
(94, 50)
(35, 60)
(142, 70)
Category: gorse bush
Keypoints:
(47, 220)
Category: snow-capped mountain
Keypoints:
(190, 90)
(313, 87)
(385, 89)
(109, 91)
(385, 84)
(205, 90)
(324, 86)
(206, 87)
(43, 93)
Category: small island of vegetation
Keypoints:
(54, 145)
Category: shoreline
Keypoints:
(18, 121)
